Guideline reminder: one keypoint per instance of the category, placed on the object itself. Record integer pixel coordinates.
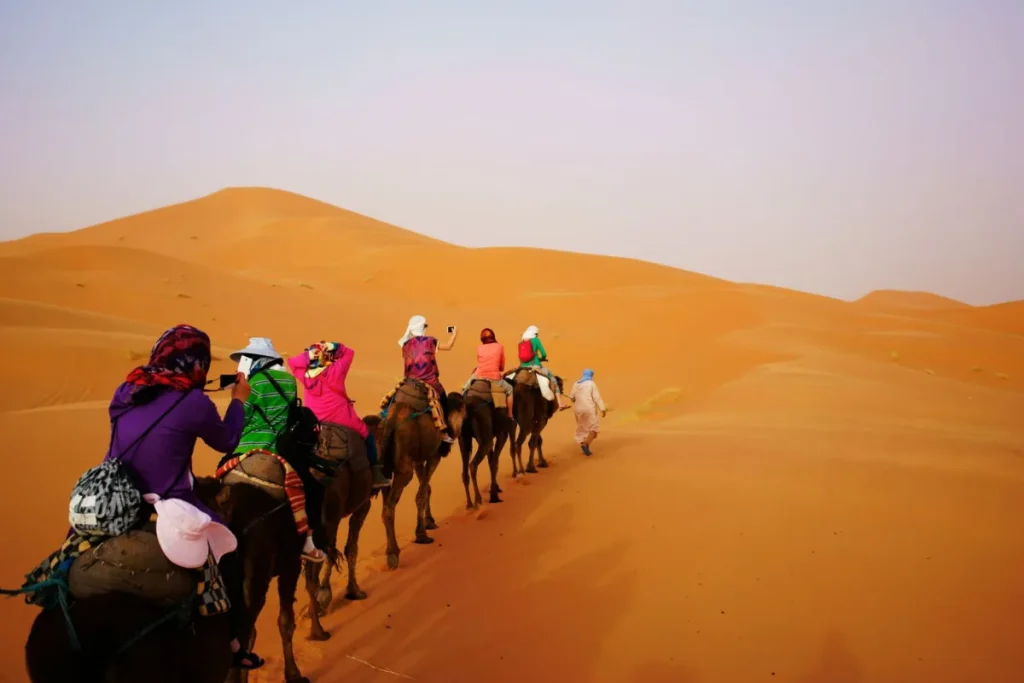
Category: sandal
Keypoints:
(246, 660)
(316, 556)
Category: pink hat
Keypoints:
(187, 534)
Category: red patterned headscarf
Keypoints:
(180, 360)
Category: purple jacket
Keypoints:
(162, 461)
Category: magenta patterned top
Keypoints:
(420, 356)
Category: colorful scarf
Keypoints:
(321, 355)
(180, 360)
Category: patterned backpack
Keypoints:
(106, 501)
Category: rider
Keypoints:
(323, 369)
(164, 399)
(266, 416)
(420, 362)
(534, 357)
(490, 364)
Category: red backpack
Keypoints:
(525, 351)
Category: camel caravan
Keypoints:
(162, 574)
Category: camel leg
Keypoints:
(394, 494)
(287, 582)
(431, 522)
(316, 629)
(524, 434)
(324, 595)
(355, 525)
(481, 453)
(335, 502)
(465, 447)
(541, 462)
(257, 583)
(492, 461)
(530, 467)
(423, 471)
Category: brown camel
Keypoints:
(475, 417)
(347, 495)
(532, 412)
(126, 638)
(409, 444)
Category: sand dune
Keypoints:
(790, 488)
(895, 299)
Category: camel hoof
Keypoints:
(495, 499)
(542, 464)
(430, 525)
(392, 560)
(423, 540)
(531, 469)
(319, 637)
(357, 594)
(497, 489)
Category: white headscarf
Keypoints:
(531, 332)
(417, 327)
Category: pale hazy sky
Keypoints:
(834, 146)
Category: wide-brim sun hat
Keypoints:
(187, 535)
(259, 347)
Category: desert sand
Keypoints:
(789, 488)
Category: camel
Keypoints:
(532, 412)
(409, 445)
(127, 638)
(347, 495)
(476, 417)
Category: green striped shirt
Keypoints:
(257, 433)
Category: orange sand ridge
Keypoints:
(789, 488)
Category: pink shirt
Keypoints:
(490, 361)
(325, 394)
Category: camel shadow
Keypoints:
(502, 633)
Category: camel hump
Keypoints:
(132, 563)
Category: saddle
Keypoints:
(257, 468)
(132, 563)
(414, 394)
(487, 391)
(341, 445)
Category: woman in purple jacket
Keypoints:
(165, 397)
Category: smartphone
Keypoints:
(227, 380)
(245, 365)
(451, 329)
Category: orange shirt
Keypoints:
(490, 361)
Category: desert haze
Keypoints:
(789, 488)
